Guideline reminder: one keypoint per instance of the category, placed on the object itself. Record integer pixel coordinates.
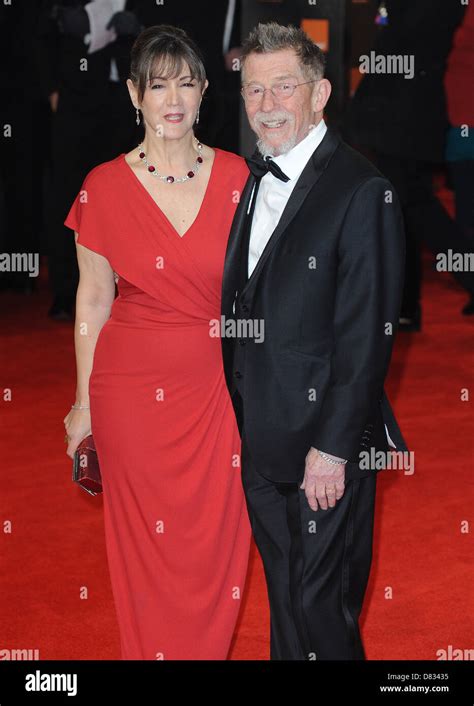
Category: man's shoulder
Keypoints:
(353, 165)
(348, 170)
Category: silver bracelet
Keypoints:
(79, 406)
(330, 460)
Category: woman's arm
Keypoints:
(94, 298)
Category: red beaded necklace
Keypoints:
(171, 179)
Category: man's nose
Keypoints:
(268, 101)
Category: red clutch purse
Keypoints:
(85, 467)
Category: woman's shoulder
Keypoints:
(232, 163)
(102, 175)
(231, 157)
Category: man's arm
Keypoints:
(367, 307)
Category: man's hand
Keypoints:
(323, 482)
(53, 101)
(125, 23)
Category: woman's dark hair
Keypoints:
(162, 50)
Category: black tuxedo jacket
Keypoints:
(328, 289)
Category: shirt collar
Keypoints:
(293, 162)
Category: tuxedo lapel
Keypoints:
(308, 178)
(232, 264)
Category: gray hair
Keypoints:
(269, 37)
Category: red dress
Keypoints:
(176, 526)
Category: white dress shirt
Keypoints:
(273, 195)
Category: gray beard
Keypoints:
(265, 148)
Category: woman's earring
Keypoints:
(138, 117)
(197, 117)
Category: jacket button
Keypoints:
(245, 307)
(238, 374)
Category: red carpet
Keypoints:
(56, 591)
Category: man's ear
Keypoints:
(321, 93)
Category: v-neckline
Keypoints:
(163, 214)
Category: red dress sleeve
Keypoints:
(87, 216)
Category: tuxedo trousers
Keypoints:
(316, 563)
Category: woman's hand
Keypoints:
(78, 426)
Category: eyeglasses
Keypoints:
(253, 93)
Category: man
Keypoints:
(314, 262)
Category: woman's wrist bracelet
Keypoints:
(79, 406)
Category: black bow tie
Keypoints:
(259, 167)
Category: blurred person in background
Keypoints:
(91, 120)
(24, 144)
(459, 84)
(401, 123)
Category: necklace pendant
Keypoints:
(170, 179)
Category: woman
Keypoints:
(176, 527)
